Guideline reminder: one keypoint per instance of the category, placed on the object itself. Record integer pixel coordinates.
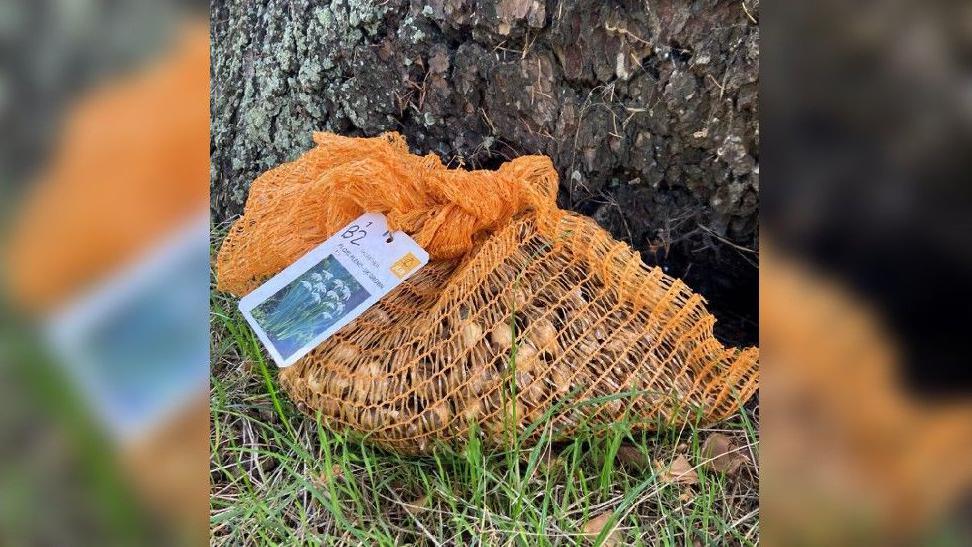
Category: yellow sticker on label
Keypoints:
(404, 265)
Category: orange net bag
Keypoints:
(524, 313)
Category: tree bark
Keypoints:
(648, 109)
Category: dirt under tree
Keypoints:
(648, 109)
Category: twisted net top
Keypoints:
(300, 204)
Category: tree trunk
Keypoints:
(648, 109)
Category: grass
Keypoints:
(60, 474)
(279, 477)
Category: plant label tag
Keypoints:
(327, 288)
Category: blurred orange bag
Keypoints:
(130, 167)
(524, 312)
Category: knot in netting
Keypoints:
(444, 210)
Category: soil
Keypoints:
(648, 109)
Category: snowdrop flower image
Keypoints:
(307, 307)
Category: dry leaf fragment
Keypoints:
(322, 480)
(719, 454)
(679, 472)
(417, 506)
(631, 456)
(593, 528)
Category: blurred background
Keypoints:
(104, 171)
(865, 269)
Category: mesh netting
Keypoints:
(525, 312)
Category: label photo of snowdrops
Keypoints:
(309, 305)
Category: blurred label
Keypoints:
(299, 308)
(134, 343)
